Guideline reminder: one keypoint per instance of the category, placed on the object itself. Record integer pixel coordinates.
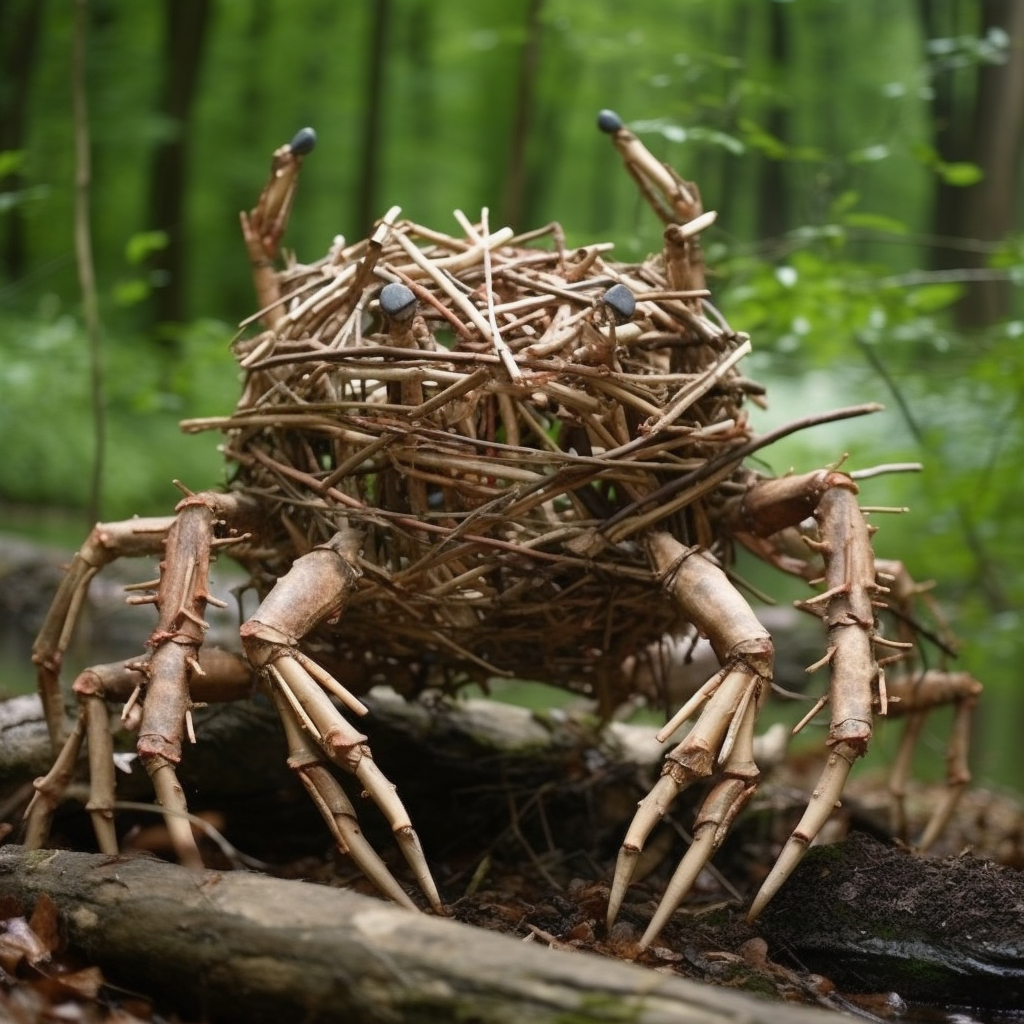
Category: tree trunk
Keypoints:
(773, 202)
(980, 122)
(241, 947)
(529, 58)
(186, 23)
(944, 19)
(372, 135)
(20, 22)
(997, 139)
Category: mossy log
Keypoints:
(872, 916)
(245, 947)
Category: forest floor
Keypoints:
(527, 846)
(864, 927)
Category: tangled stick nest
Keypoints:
(501, 420)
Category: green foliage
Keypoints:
(967, 50)
(12, 161)
(956, 404)
(130, 291)
(44, 403)
(960, 174)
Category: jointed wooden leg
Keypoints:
(106, 542)
(764, 520)
(849, 613)
(315, 589)
(181, 597)
(914, 696)
(51, 787)
(162, 682)
(333, 803)
(723, 734)
(224, 677)
(727, 798)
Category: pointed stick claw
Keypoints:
(409, 843)
(383, 794)
(714, 819)
(822, 803)
(624, 868)
(699, 853)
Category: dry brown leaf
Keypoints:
(45, 923)
(18, 943)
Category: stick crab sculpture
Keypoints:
(461, 458)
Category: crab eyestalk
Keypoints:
(264, 225)
(676, 202)
(672, 199)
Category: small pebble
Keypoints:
(754, 951)
(397, 301)
(622, 931)
(820, 985)
(886, 1005)
(621, 301)
(303, 142)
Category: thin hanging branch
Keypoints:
(84, 260)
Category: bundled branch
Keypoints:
(499, 419)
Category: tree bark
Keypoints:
(242, 947)
(981, 122)
(529, 58)
(186, 23)
(374, 103)
(20, 23)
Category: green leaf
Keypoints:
(925, 154)
(930, 298)
(844, 201)
(1009, 253)
(130, 292)
(661, 126)
(960, 174)
(764, 142)
(869, 154)
(677, 133)
(717, 138)
(142, 244)
(875, 222)
(11, 160)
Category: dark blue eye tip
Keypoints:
(621, 301)
(303, 142)
(397, 301)
(609, 122)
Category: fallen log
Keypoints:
(244, 947)
(456, 763)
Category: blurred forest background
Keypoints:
(864, 157)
